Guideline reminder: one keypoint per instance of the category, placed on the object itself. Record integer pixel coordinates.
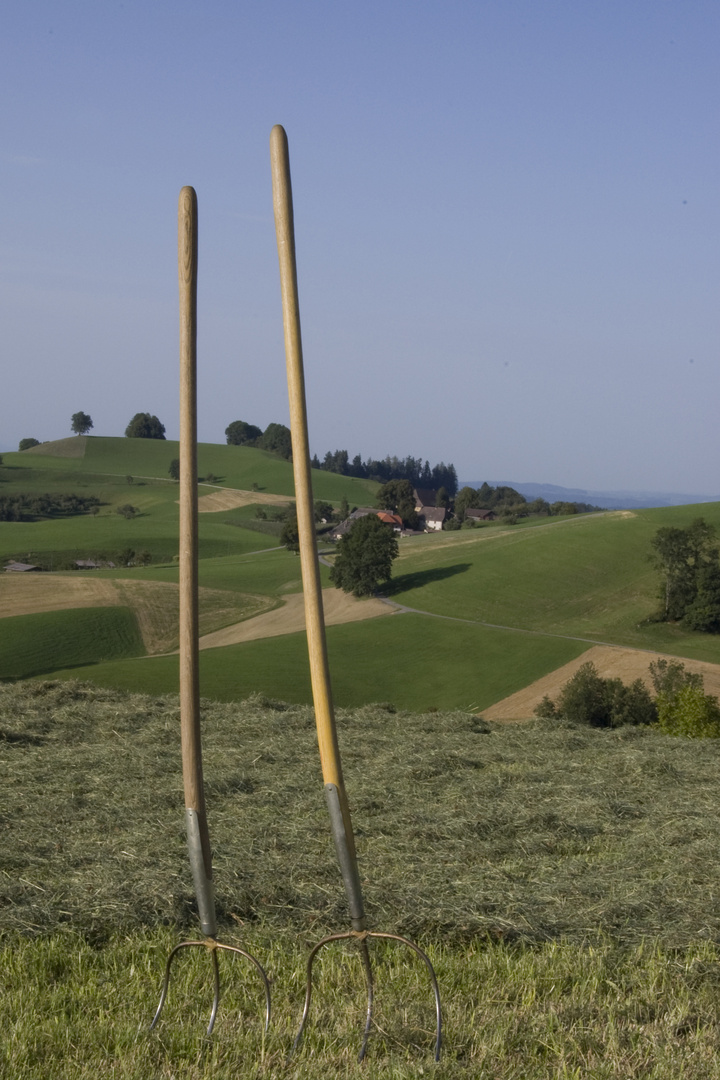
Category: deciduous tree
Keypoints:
(145, 426)
(81, 423)
(365, 557)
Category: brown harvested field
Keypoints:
(339, 607)
(612, 662)
(155, 603)
(230, 498)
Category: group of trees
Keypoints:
(145, 426)
(35, 507)
(275, 437)
(418, 473)
(680, 706)
(689, 562)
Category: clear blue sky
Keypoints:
(507, 218)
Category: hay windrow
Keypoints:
(463, 828)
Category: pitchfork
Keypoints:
(335, 795)
(198, 835)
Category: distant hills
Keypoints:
(609, 500)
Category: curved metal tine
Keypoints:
(433, 980)
(166, 980)
(213, 947)
(362, 937)
(369, 981)
(261, 972)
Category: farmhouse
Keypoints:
(393, 520)
(480, 515)
(433, 518)
(19, 568)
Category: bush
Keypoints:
(683, 708)
(25, 444)
(689, 712)
(589, 699)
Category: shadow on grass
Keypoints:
(405, 582)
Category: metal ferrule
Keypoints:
(204, 891)
(346, 858)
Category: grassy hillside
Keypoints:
(586, 577)
(563, 880)
(234, 466)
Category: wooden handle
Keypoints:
(310, 566)
(317, 648)
(189, 656)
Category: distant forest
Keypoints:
(420, 474)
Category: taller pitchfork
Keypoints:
(335, 795)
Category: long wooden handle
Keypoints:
(314, 621)
(195, 814)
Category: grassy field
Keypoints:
(563, 880)
(64, 639)
(413, 661)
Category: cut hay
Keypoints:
(464, 829)
(231, 498)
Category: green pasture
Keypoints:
(233, 466)
(563, 880)
(589, 576)
(413, 661)
(32, 644)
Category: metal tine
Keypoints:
(335, 793)
(198, 835)
(213, 947)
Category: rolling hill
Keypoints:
(478, 614)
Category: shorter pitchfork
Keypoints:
(195, 815)
(319, 670)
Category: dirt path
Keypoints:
(612, 662)
(339, 608)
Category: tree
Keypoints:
(466, 499)
(241, 434)
(174, 469)
(127, 511)
(323, 511)
(365, 557)
(145, 426)
(398, 496)
(81, 423)
(682, 556)
(25, 444)
(276, 437)
(344, 510)
(290, 534)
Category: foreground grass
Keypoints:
(563, 880)
(74, 1012)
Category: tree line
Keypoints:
(35, 507)
(418, 472)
